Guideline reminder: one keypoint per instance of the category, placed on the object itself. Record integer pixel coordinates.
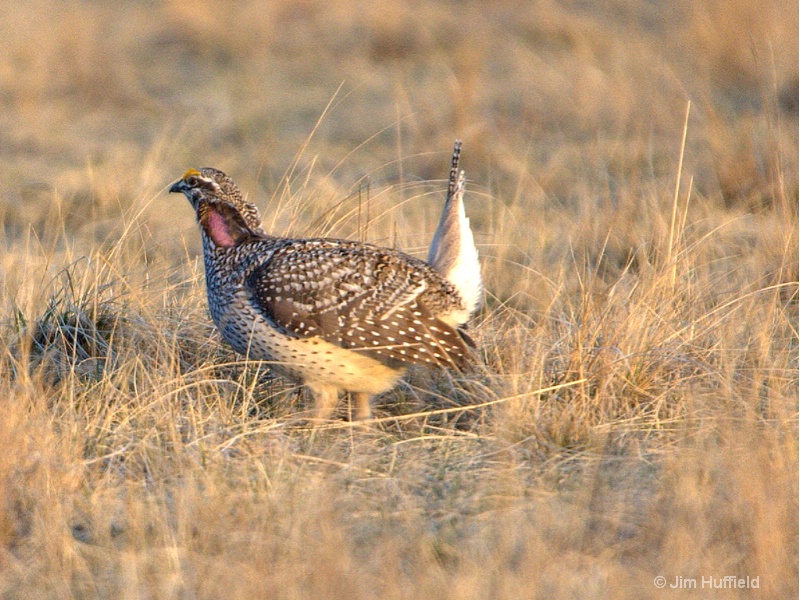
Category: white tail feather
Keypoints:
(453, 252)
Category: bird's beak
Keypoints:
(177, 187)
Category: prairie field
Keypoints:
(632, 429)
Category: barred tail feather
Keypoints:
(453, 252)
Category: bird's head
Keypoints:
(212, 185)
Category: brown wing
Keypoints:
(359, 297)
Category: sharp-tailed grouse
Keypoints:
(335, 314)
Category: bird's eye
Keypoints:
(191, 181)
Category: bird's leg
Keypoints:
(361, 400)
(326, 397)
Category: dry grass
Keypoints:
(638, 411)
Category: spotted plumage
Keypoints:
(335, 314)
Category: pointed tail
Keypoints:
(453, 252)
